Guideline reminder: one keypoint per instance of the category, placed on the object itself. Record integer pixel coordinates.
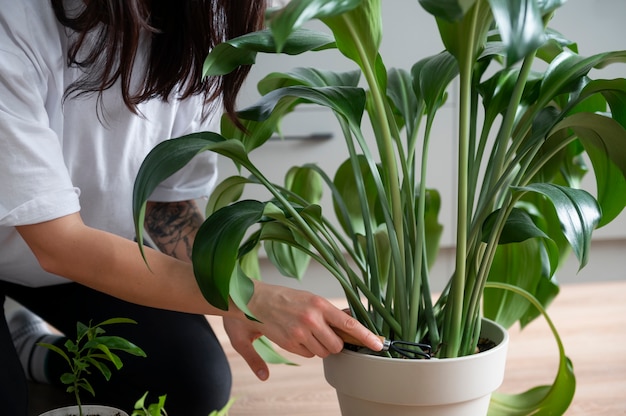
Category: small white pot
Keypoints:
(88, 410)
(369, 385)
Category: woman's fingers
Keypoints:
(304, 323)
(241, 338)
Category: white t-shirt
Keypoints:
(57, 157)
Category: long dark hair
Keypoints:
(181, 33)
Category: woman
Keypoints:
(87, 88)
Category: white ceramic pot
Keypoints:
(369, 385)
(88, 410)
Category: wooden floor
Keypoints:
(591, 319)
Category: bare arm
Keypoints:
(298, 321)
(173, 226)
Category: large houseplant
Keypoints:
(523, 132)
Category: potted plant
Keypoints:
(91, 350)
(524, 130)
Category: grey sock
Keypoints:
(27, 330)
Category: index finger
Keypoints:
(352, 331)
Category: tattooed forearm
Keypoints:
(173, 226)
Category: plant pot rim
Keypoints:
(501, 342)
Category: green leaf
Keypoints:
(349, 102)
(542, 400)
(170, 156)
(434, 75)
(225, 193)
(216, 246)
(401, 94)
(227, 56)
(103, 368)
(604, 139)
(358, 33)
(241, 291)
(450, 10)
(264, 348)
(285, 21)
(578, 213)
(304, 182)
(566, 70)
(518, 227)
(523, 265)
(310, 77)
(520, 24)
(116, 343)
(346, 198)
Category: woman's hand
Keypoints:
(297, 321)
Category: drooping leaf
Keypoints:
(542, 400)
(349, 102)
(229, 55)
(578, 214)
(225, 193)
(434, 76)
(264, 348)
(216, 248)
(523, 264)
(170, 156)
(283, 22)
(517, 228)
(604, 139)
(310, 77)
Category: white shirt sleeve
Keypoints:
(34, 182)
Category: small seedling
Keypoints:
(158, 409)
(154, 409)
(92, 349)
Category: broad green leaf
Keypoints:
(283, 22)
(348, 102)
(455, 27)
(241, 291)
(304, 182)
(349, 202)
(435, 75)
(542, 400)
(522, 264)
(264, 348)
(520, 24)
(566, 70)
(281, 245)
(578, 214)
(358, 34)
(216, 247)
(225, 193)
(227, 56)
(451, 10)
(604, 139)
(256, 133)
(310, 77)
(170, 156)
(517, 227)
(408, 105)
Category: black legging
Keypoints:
(185, 360)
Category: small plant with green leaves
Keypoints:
(92, 349)
(153, 409)
(158, 408)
